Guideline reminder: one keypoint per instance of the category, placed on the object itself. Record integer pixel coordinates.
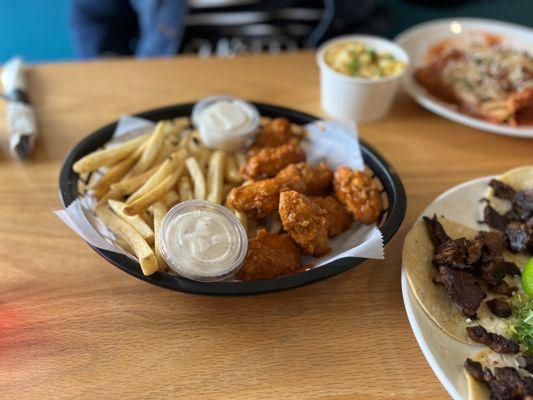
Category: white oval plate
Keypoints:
(444, 354)
(417, 40)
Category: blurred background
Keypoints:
(56, 30)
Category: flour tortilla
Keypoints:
(488, 358)
(417, 254)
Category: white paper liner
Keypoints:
(333, 142)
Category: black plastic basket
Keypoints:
(390, 220)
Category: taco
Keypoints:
(460, 277)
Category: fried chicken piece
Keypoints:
(257, 199)
(338, 219)
(269, 255)
(316, 180)
(275, 133)
(358, 193)
(305, 222)
(268, 161)
(261, 198)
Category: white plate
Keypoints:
(444, 354)
(416, 42)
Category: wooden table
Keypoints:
(73, 326)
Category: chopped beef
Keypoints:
(494, 341)
(519, 236)
(505, 383)
(510, 384)
(503, 288)
(528, 387)
(499, 307)
(458, 254)
(523, 203)
(502, 190)
(525, 361)
(494, 243)
(462, 289)
(494, 269)
(511, 268)
(494, 219)
(436, 232)
(475, 369)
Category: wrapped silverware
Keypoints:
(21, 121)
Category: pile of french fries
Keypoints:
(141, 179)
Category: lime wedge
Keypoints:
(527, 277)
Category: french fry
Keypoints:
(170, 199)
(159, 210)
(184, 140)
(185, 189)
(241, 158)
(140, 248)
(182, 122)
(173, 164)
(242, 218)
(107, 156)
(116, 172)
(150, 152)
(231, 172)
(135, 221)
(197, 177)
(215, 176)
(110, 194)
(167, 148)
(147, 218)
(149, 198)
(198, 150)
(131, 184)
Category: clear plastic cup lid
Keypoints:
(203, 241)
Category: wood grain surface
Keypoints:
(73, 326)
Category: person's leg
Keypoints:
(162, 23)
(103, 27)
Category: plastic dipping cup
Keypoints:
(203, 241)
(225, 122)
(359, 99)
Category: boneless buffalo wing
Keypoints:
(260, 199)
(275, 133)
(315, 180)
(267, 162)
(338, 219)
(305, 222)
(270, 255)
(358, 193)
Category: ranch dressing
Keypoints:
(224, 122)
(203, 241)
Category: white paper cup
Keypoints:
(359, 99)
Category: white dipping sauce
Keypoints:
(225, 123)
(203, 240)
(230, 117)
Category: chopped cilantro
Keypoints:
(521, 323)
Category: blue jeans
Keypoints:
(144, 28)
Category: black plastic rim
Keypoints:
(392, 185)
